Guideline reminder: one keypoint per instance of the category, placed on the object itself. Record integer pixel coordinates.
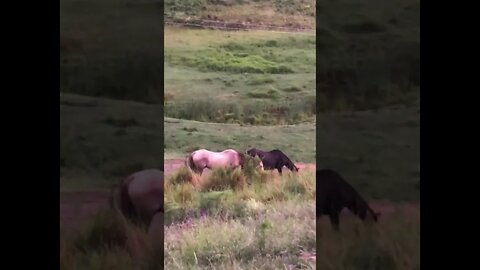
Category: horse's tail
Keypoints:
(189, 162)
(125, 203)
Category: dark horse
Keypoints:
(272, 160)
(334, 193)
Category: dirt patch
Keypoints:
(307, 166)
(234, 26)
(77, 207)
(172, 165)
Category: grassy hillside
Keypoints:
(254, 77)
(369, 55)
(368, 52)
(377, 151)
(112, 49)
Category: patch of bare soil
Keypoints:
(172, 165)
(216, 23)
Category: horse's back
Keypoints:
(201, 152)
(333, 188)
(280, 155)
(277, 152)
(225, 157)
(230, 153)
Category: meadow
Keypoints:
(246, 220)
(257, 78)
(239, 89)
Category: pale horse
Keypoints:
(140, 199)
(198, 160)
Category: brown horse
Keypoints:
(201, 159)
(272, 160)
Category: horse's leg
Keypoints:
(279, 168)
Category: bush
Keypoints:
(261, 112)
(183, 175)
(222, 179)
(229, 62)
(265, 93)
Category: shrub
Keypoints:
(222, 179)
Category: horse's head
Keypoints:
(367, 214)
(252, 152)
(291, 166)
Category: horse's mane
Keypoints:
(240, 155)
(285, 158)
(242, 158)
(257, 152)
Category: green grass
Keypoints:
(101, 144)
(246, 243)
(254, 243)
(245, 228)
(368, 51)
(367, 60)
(394, 243)
(255, 81)
(108, 48)
(235, 77)
(377, 151)
(230, 194)
(298, 141)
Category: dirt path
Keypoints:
(171, 165)
(236, 25)
(77, 207)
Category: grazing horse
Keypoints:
(272, 160)
(140, 197)
(201, 159)
(334, 193)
